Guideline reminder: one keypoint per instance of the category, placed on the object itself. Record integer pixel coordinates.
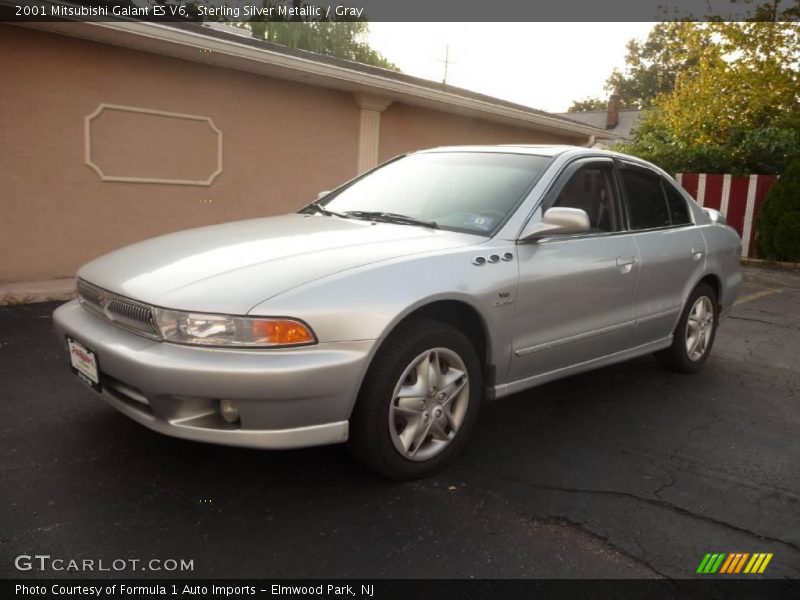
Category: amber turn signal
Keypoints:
(281, 332)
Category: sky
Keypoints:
(541, 65)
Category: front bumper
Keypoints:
(286, 398)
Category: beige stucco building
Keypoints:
(116, 132)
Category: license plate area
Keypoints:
(83, 362)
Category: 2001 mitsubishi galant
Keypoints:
(388, 309)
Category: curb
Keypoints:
(770, 264)
(29, 292)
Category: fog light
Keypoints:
(228, 411)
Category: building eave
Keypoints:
(186, 44)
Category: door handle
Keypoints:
(625, 263)
(697, 252)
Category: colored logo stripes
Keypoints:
(735, 562)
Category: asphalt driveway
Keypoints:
(629, 471)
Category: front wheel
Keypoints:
(419, 401)
(694, 335)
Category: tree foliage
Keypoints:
(652, 66)
(672, 48)
(779, 219)
(588, 104)
(341, 37)
(736, 110)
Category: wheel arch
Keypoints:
(711, 279)
(459, 313)
(715, 282)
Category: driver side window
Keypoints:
(591, 189)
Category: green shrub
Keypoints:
(779, 220)
(745, 151)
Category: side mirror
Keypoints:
(558, 221)
(715, 216)
(321, 195)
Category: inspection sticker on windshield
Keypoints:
(84, 363)
(480, 222)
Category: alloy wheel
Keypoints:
(699, 328)
(429, 404)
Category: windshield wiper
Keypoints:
(390, 217)
(324, 211)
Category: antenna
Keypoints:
(447, 62)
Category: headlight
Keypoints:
(222, 330)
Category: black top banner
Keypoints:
(400, 11)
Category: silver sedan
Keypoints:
(387, 310)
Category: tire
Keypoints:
(416, 435)
(677, 357)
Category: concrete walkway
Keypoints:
(28, 292)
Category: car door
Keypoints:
(672, 250)
(576, 292)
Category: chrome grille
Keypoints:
(90, 294)
(128, 314)
(137, 316)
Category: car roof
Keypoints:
(539, 150)
(549, 150)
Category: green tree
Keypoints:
(652, 66)
(736, 110)
(588, 104)
(672, 49)
(779, 219)
(341, 37)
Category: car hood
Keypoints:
(232, 267)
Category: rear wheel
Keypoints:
(694, 335)
(419, 401)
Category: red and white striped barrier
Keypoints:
(738, 198)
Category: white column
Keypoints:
(369, 129)
(726, 194)
(701, 189)
(750, 208)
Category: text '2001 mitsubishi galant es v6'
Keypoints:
(386, 311)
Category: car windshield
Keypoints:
(473, 192)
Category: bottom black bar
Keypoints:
(407, 589)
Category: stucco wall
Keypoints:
(282, 142)
(406, 128)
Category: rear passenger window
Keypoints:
(678, 210)
(647, 205)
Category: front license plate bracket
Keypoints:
(83, 362)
